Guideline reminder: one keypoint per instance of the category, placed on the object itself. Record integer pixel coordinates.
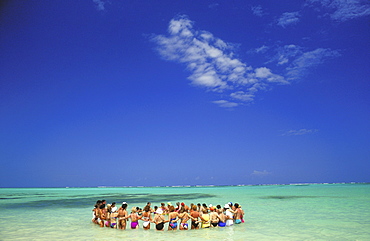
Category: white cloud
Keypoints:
(288, 19)
(299, 132)
(99, 5)
(343, 10)
(260, 173)
(225, 103)
(211, 62)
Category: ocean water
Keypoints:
(275, 212)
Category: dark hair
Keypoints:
(113, 203)
(218, 206)
(147, 208)
(155, 207)
(204, 205)
(102, 206)
(124, 206)
(171, 208)
(236, 205)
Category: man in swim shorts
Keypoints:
(195, 216)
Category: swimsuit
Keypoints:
(205, 224)
(146, 222)
(184, 225)
(221, 224)
(173, 225)
(159, 226)
(214, 224)
(194, 223)
(134, 224)
(238, 221)
(229, 222)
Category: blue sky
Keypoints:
(120, 93)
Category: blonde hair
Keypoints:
(133, 209)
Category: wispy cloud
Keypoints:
(309, 59)
(297, 60)
(260, 173)
(288, 18)
(299, 132)
(225, 103)
(258, 11)
(343, 10)
(99, 4)
(212, 63)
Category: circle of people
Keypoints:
(200, 215)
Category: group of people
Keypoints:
(177, 216)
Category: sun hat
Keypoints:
(226, 206)
(124, 203)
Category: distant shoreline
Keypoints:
(200, 186)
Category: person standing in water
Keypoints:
(122, 216)
(172, 218)
(213, 217)
(184, 217)
(146, 217)
(159, 220)
(229, 216)
(238, 214)
(134, 218)
(195, 217)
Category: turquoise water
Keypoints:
(276, 212)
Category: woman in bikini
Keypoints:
(122, 216)
(134, 218)
(172, 218)
(146, 217)
(184, 217)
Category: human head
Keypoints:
(124, 205)
(171, 208)
(147, 208)
(133, 209)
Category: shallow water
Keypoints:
(276, 212)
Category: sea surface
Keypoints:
(272, 212)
